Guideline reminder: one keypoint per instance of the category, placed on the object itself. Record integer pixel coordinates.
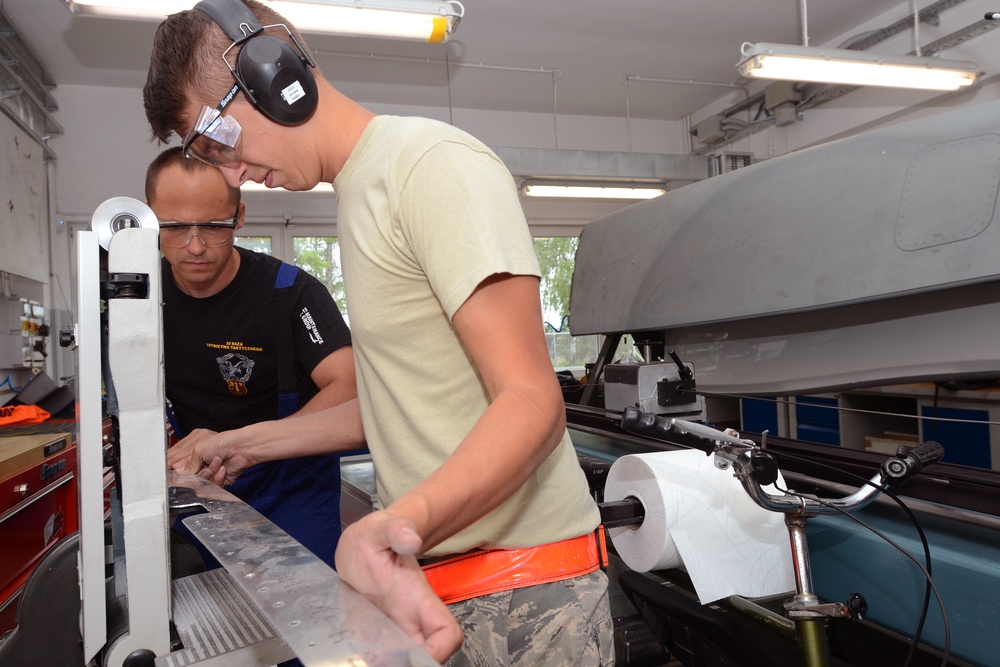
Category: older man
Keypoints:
(247, 339)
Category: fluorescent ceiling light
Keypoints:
(854, 68)
(533, 189)
(423, 20)
(595, 190)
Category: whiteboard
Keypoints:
(23, 204)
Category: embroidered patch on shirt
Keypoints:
(236, 370)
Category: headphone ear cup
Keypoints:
(282, 85)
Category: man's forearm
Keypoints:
(331, 395)
(331, 430)
(336, 380)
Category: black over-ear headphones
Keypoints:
(275, 79)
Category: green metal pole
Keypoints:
(812, 642)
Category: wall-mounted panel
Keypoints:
(23, 205)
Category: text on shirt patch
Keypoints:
(234, 345)
(307, 319)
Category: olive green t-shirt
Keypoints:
(425, 214)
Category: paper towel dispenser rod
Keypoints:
(680, 431)
(627, 512)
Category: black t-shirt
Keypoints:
(221, 373)
(220, 361)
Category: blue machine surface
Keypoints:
(848, 558)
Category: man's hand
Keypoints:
(222, 457)
(214, 456)
(377, 557)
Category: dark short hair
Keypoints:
(174, 156)
(186, 64)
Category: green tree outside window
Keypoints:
(320, 256)
(556, 257)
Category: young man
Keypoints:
(237, 325)
(458, 400)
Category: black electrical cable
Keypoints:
(927, 575)
(920, 533)
(929, 586)
(562, 324)
(761, 110)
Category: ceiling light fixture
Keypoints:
(592, 190)
(423, 20)
(854, 68)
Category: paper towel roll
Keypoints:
(699, 518)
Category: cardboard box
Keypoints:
(889, 442)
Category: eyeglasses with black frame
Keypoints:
(212, 233)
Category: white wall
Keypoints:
(106, 147)
(105, 150)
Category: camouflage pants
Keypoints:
(563, 623)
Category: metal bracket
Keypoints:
(831, 609)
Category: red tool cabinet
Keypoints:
(38, 505)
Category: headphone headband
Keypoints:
(235, 18)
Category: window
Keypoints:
(556, 256)
(320, 256)
(255, 243)
(313, 248)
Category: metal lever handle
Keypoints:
(684, 371)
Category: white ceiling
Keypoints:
(568, 56)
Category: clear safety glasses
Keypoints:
(212, 233)
(214, 138)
